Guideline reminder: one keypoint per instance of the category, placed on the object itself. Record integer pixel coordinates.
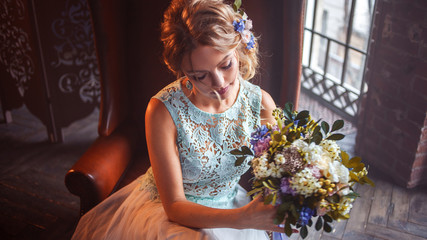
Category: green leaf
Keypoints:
(302, 115)
(310, 222)
(354, 162)
(302, 122)
(334, 198)
(344, 156)
(325, 127)
(327, 218)
(268, 199)
(368, 181)
(237, 4)
(316, 130)
(303, 232)
(317, 139)
(338, 124)
(293, 210)
(239, 161)
(336, 136)
(236, 152)
(327, 227)
(289, 107)
(253, 191)
(319, 223)
(359, 167)
(246, 150)
(288, 229)
(352, 195)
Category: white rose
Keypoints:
(246, 36)
(248, 25)
(337, 172)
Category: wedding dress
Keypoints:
(210, 178)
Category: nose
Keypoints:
(217, 79)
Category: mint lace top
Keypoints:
(205, 140)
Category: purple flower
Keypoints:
(261, 146)
(260, 140)
(305, 215)
(285, 186)
(239, 26)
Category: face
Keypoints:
(210, 71)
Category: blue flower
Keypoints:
(239, 26)
(251, 43)
(306, 214)
(261, 133)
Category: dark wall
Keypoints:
(392, 124)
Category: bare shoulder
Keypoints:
(156, 109)
(157, 116)
(267, 107)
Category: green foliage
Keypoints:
(236, 5)
(336, 136)
(288, 229)
(303, 232)
(239, 161)
(327, 218)
(319, 223)
(325, 127)
(327, 227)
(352, 195)
(241, 154)
(338, 124)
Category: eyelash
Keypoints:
(228, 66)
(224, 68)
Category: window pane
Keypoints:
(361, 24)
(306, 48)
(336, 60)
(309, 14)
(318, 53)
(332, 18)
(355, 67)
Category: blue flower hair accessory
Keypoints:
(243, 26)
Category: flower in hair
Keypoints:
(243, 26)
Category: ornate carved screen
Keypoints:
(48, 61)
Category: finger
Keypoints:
(278, 229)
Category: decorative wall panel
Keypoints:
(48, 61)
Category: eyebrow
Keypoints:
(202, 71)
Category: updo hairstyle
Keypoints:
(190, 23)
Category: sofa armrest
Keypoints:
(94, 176)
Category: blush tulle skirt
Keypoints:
(132, 213)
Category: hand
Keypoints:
(257, 215)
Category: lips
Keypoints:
(222, 91)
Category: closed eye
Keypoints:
(228, 66)
(198, 78)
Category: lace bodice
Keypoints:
(205, 140)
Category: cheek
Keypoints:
(234, 72)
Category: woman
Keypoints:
(191, 191)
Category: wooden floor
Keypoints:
(35, 204)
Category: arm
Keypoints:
(161, 137)
(267, 107)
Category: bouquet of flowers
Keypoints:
(299, 167)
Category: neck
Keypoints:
(209, 104)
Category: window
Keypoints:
(336, 41)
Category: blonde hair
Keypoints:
(190, 23)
